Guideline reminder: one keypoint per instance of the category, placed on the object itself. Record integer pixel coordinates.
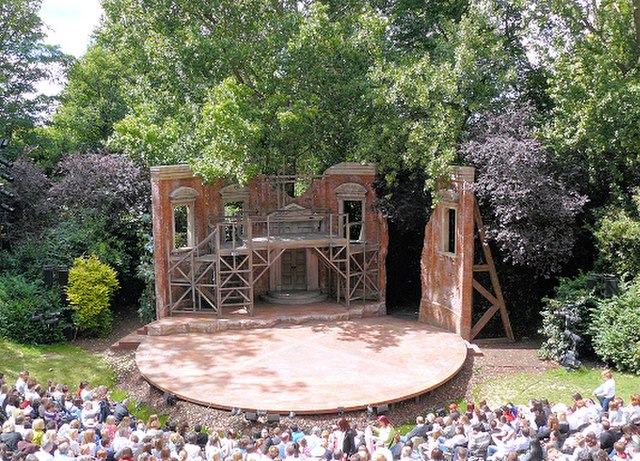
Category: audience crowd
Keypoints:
(54, 423)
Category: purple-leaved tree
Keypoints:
(109, 184)
(30, 202)
(530, 212)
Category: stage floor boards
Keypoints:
(312, 368)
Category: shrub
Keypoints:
(25, 308)
(574, 297)
(618, 236)
(31, 213)
(110, 184)
(616, 329)
(146, 273)
(91, 286)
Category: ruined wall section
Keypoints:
(164, 181)
(261, 198)
(447, 276)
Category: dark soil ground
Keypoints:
(498, 358)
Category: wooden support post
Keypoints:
(496, 300)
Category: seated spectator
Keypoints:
(592, 442)
(458, 440)
(617, 417)
(21, 383)
(619, 453)
(26, 445)
(89, 414)
(608, 436)
(202, 437)
(633, 409)
(126, 455)
(479, 441)
(213, 448)
(84, 391)
(517, 444)
(593, 426)
(405, 454)
(62, 453)
(10, 437)
(191, 446)
(45, 452)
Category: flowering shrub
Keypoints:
(89, 291)
(573, 297)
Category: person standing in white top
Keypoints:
(606, 391)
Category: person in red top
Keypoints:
(83, 391)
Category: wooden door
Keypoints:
(294, 270)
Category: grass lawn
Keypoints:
(555, 385)
(64, 364)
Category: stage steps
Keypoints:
(265, 316)
(129, 342)
(295, 297)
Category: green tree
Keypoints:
(24, 61)
(91, 102)
(261, 86)
(618, 236)
(592, 52)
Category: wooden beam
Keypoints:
(477, 328)
(484, 292)
(495, 282)
(480, 268)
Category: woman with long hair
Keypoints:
(348, 438)
(386, 434)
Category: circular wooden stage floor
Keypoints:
(311, 368)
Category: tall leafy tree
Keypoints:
(531, 211)
(91, 102)
(260, 86)
(24, 61)
(592, 52)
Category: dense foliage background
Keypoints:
(540, 96)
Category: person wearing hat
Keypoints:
(453, 411)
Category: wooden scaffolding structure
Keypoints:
(222, 270)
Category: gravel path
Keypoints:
(499, 358)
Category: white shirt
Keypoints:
(312, 441)
(606, 389)
(21, 386)
(193, 451)
(43, 455)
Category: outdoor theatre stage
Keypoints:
(309, 368)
